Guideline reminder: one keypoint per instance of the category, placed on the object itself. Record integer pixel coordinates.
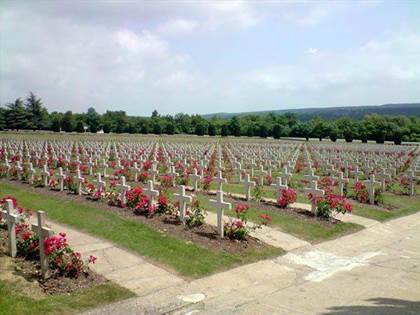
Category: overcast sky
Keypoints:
(208, 56)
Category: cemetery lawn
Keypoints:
(13, 301)
(185, 258)
(401, 206)
(311, 231)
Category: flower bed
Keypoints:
(67, 270)
(167, 221)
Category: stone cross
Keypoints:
(219, 180)
(11, 219)
(79, 180)
(253, 164)
(154, 172)
(104, 166)
(183, 199)
(100, 184)
(136, 171)
(315, 192)
(357, 173)
(124, 188)
(61, 177)
(173, 175)
(220, 205)
(43, 233)
(279, 187)
(19, 170)
(7, 166)
(263, 173)
(31, 173)
(341, 180)
(195, 179)
(248, 185)
(239, 169)
(383, 176)
(311, 177)
(90, 164)
(150, 192)
(45, 174)
(412, 180)
(286, 175)
(370, 184)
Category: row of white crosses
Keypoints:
(38, 228)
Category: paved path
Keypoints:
(374, 271)
(127, 269)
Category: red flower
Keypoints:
(92, 259)
(287, 197)
(241, 208)
(265, 218)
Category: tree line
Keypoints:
(30, 114)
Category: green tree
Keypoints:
(37, 115)
(93, 120)
(224, 132)
(333, 133)
(80, 126)
(55, 119)
(263, 131)
(15, 115)
(68, 123)
(277, 131)
(235, 127)
(212, 129)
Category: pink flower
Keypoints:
(92, 259)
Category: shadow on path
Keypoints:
(382, 306)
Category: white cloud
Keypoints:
(375, 70)
(143, 43)
(177, 26)
(132, 56)
(312, 51)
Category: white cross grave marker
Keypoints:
(315, 192)
(248, 185)
(220, 205)
(195, 179)
(43, 233)
(124, 188)
(150, 192)
(183, 201)
(11, 220)
(219, 180)
(370, 185)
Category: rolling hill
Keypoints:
(409, 109)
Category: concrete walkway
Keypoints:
(127, 269)
(375, 271)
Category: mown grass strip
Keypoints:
(188, 259)
(311, 231)
(13, 302)
(403, 205)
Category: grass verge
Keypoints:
(187, 259)
(12, 301)
(402, 206)
(312, 231)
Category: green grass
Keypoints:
(13, 302)
(189, 260)
(405, 205)
(311, 231)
